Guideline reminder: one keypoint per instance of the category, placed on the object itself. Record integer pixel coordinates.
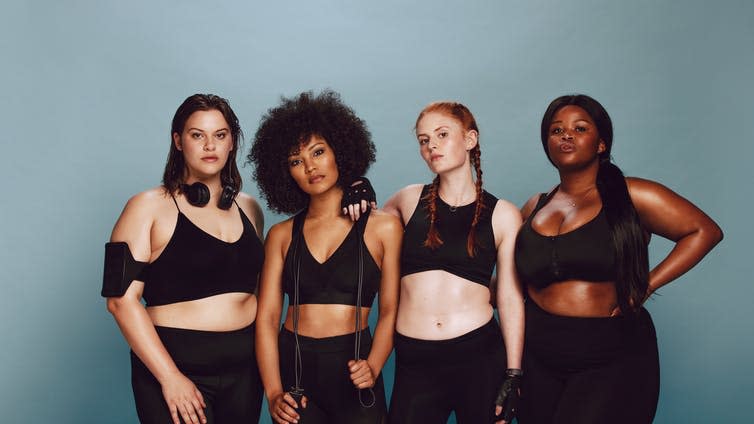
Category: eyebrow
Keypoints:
(201, 130)
(578, 120)
(315, 145)
(298, 151)
(435, 130)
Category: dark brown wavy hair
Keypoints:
(175, 168)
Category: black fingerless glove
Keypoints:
(359, 189)
(508, 396)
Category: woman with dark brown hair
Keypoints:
(191, 249)
(591, 351)
(450, 353)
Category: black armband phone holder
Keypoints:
(120, 269)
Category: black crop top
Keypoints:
(585, 253)
(334, 281)
(453, 226)
(195, 265)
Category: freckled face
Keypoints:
(443, 142)
(574, 139)
(206, 142)
(312, 165)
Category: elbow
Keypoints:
(717, 234)
(115, 305)
(713, 234)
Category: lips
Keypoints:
(210, 159)
(434, 157)
(316, 178)
(566, 147)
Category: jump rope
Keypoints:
(297, 391)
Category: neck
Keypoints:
(325, 205)
(213, 183)
(457, 187)
(576, 182)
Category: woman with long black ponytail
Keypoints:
(590, 351)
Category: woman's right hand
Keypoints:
(184, 399)
(283, 408)
(358, 198)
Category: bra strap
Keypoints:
(175, 201)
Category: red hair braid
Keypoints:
(433, 240)
(475, 154)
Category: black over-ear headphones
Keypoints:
(197, 194)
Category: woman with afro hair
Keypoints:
(322, 366)
(451, 355)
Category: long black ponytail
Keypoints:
(629, 241)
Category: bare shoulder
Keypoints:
(403, 201)
(647, 192)
(253, 211)
(642, 185)
(411, 192)
(140, 211)
(529, 206)
(153, 199)
(280, 232)
(506, 213)
(384, 222)
(247, 202)
(135, 223)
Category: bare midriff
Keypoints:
(325, 320)
(222, 312)
(576, 298)
(438, 305)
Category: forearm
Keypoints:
(140, 333)
(382, 343)
(511, 311)
(268, 356)
(687, 252)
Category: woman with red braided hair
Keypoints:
(450, 355)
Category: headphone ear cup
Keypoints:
(226, 197)
(197, 194)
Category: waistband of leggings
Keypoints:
(533, 310)
(188, 332)
(326, 344)
(477, 333)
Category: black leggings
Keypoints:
(589, 370)
(332, 397)
(220, 363)
(435, 377)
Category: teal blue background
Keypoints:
(89, 88)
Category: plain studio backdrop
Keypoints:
(89, 89)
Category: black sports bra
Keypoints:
(585, 253)
(195, 264)
(334, 281)
(453, 225)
